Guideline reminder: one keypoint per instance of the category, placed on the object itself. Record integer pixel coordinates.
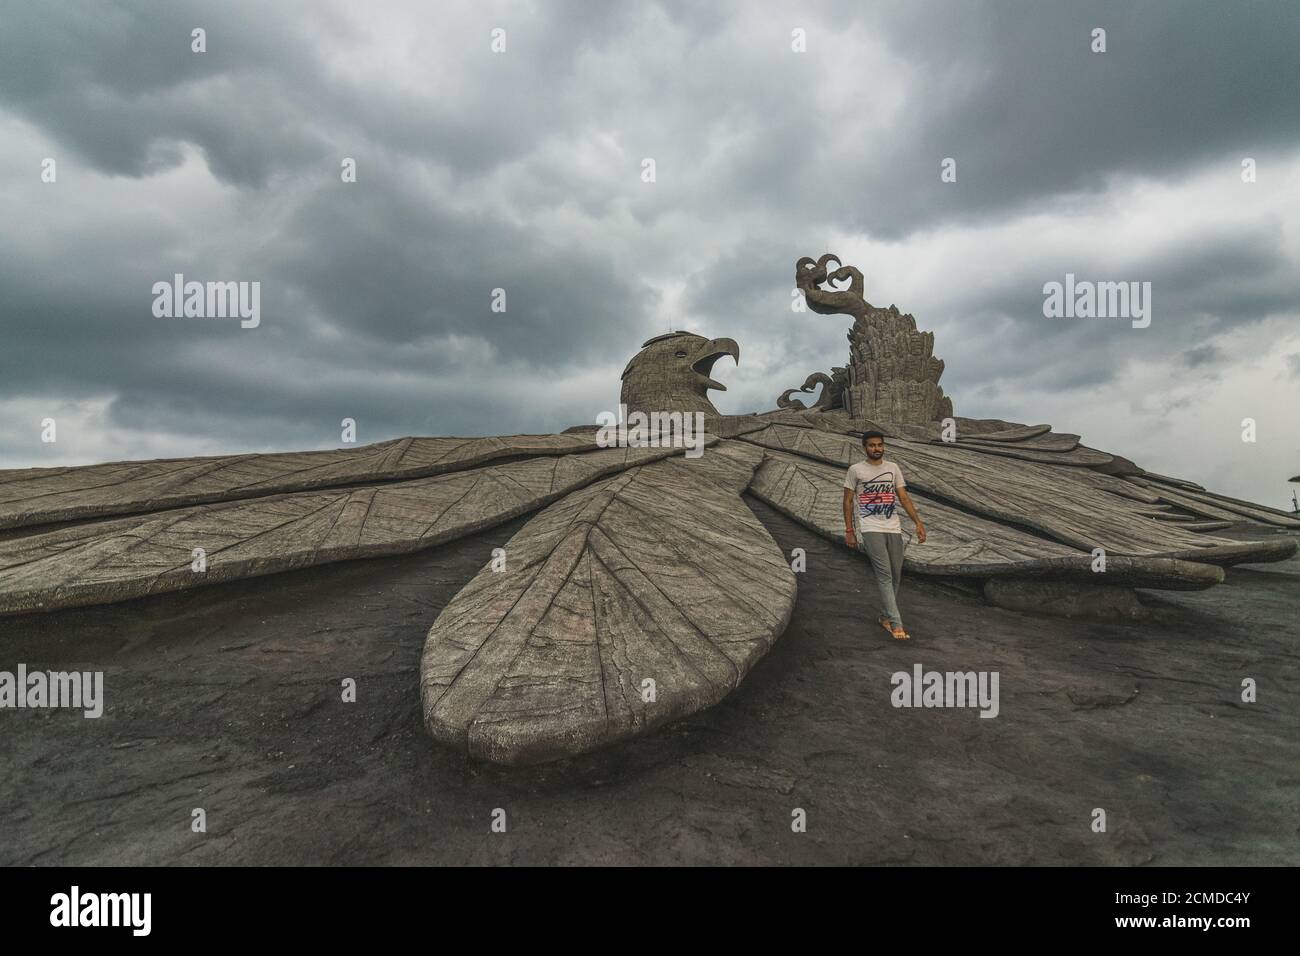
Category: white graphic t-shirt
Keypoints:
(875, 495)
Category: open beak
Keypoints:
(709, 353)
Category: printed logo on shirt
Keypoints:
(876, 499)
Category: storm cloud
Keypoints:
(522, 171)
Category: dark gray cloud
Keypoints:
(521, 171)
(1200, 286)
(1015, 94)
(1202, 355)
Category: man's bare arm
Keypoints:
(910, 508)
(849, 537)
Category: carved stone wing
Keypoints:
(124, 558)
(961, 544)
(640, 599)
(37, 496)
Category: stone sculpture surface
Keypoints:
(892, 373)
(671, 373)
(643, 588)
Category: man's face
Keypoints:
(875, 448)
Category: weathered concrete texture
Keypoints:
(36, 496)
(730, 426)
(991, 436)
(1078, 456)
(1216, 506)
(672, 372)
(1038, 437)
(228, 698)
(993, 429)
(831, 394)
(960, 544)
(1065, 599)
(660, 574)
(837, 420)
(109, 561)
(892, 372)
(1070, 505)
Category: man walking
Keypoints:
(872, 491)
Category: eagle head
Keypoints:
(671, 373)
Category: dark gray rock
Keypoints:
(1065, 599)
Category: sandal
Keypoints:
(884, 622)
(900, 634)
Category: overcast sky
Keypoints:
(522, 170)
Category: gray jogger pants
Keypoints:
(885, 551)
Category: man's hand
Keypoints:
(850, 539)
(910, 508)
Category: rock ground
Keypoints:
(228, 699)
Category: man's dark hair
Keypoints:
(867, 436)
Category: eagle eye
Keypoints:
(681, 353)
